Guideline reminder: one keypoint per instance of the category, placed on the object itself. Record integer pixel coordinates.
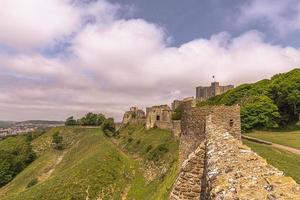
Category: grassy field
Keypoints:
(291, 138)
(287, 162)
(93, 166)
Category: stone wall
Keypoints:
(176, 129)
(189, 182)
(233, 171)
(222, 168)
(134, 116)
(204, 93)
(193, 123)
(157, 115)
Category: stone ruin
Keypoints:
(158, 116)
(214, 164)
(134, 116)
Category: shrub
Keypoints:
(130, 140)
(70, 121)
(149, 147)
(15, 159)
(158, 152)
(176, 115)
(32, 182)
(109, 127)
(57, 141)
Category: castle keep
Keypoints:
(204, 93)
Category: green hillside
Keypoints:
(266, 103)
(285, 161)
(92, 166)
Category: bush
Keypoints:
(176, 115)
(138, 142)
(71, 121)
(149, 147)
(57, 141)
(158, 152)
(15, 159)
(32, 182)
(108, 127)
(130, 140)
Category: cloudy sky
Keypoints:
(67, 57)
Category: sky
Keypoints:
(68, 57)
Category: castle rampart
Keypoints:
(221, 167)
(193, 123)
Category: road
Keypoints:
(278, 146)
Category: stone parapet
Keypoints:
(222, 168)
(234, 171)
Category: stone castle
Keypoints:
(204, 93)
(213, 162)
(158, 116)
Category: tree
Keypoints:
(15, 158)
(100, 119)
(57, 141)
(259, 112)
(70, 121)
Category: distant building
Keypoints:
(134, 116)
(204, 93)
(188, 100)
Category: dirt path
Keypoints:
(278, 146)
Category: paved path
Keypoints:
(278, 146)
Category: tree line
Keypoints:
(267, 103)
(93, 119)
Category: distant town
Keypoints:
(20, 128)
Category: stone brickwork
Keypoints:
(189, 182)
(160, 116)
(222, 168)
(233, 171)
(176, 128)
(134, 116)
(204, 93)
(188, 100)
(193, 123)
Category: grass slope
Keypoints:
(91, 166)
(157, 152)
(287, 162)
(291, 139)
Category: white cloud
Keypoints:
(121, 63)
(282, 16)
(27, 24)
(31, 23)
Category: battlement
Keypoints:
(204, 93)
